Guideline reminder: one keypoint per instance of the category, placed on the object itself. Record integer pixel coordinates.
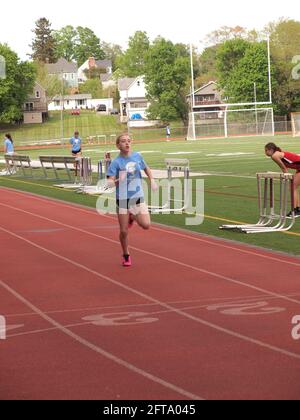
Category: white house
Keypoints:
(81, 101)
(91, 63)
(134, 102)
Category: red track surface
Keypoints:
(194, 317)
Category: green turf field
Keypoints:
(230, 190)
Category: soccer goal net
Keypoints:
(230, 123)
(296, 124)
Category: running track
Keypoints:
(195, 318)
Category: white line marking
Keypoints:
(162, 304)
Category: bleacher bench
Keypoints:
(16, 162)
(58, 163)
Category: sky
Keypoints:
(186, 21)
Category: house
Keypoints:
(105, 66)
(67, 70)
(133, 102)
(81, 101)
(209, 95)
(35, 109)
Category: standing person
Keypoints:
(168, 132)
(76, 145)
(8, 145)
(287, 160)
(9, 150)
(76, 149)
(125, 173)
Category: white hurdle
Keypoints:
(175, 165)
(270, 221)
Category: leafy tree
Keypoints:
(65, 42)
(112, 52)
(16, 86)
(206, 64)
(132, 62)
(240, 64)
(166, 75)
(285, 41)
(87, 45)
(92, 86)
(43, 44)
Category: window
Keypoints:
(29, 106)
(57, 103)
(37, 94)
(139, 83)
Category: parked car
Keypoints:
(114, 111)
(101, 108)
(75, 112)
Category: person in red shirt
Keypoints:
(286, 161)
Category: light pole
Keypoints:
(62, 109)
(255, 101)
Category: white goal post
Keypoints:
(295, 118)
(231, 123)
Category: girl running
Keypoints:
(125, 173)
(76, 144)
(287, 160)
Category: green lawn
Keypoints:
(88, 124)
(230, 190)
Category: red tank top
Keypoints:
(291, 160)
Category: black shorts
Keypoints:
(127, 204)
(76, 153)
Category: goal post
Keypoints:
(231, 123)
(295, 118)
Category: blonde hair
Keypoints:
(118, 141)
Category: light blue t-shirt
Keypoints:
(9, 146)
(76, 144)
(132, 166)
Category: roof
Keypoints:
(73, 97)
(124, 84)
(103, 63)
(204, 86)
(62, 65)
(105, 77)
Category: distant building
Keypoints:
(81, 101)
(208, 94)
(67, 70)
(35, 109)
(133, 102)
(91, 63)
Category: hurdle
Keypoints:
(99, 189)
(175, 165)
(83, 167)
(270, 221)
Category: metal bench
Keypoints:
(16, 163)
(58, 164)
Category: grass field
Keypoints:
(230, 190)
(88, 123)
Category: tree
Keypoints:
(112, 52)
(92, 86)
(43, 44)
(166, 76)
(285, 41)
(87, 45)
(65, 42)
(206, 64)
(132, 63)
(16, 86)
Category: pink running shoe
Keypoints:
(127, 261)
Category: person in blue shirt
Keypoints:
(168, 132)
(9, 150)
(76, 144)
(8, 145)
(125, 173)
